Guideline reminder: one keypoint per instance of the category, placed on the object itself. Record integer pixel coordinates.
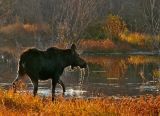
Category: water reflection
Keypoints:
(121, 67)
(109, 75)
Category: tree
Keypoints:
(6, 11)
(114, 25)
(151, 14)
(67, 18)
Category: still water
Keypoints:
(109, 75)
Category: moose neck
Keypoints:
(66, 59)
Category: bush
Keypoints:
(133, 38)
(98, 45)
(114, 25)
(144, 41)
(95, 31)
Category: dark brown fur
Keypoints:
(49, 64)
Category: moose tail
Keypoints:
(20, 72)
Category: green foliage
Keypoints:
(95, 31)
(114, 25)
(156, 73)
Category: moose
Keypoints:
(48, 64)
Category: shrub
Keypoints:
(114, 25)
(95, 31)
(133, 38)
(97, 45)
(144, 41)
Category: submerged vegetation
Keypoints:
(25, 104)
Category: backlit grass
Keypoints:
(25, 104)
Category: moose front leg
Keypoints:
(35, 85)
(54, 82)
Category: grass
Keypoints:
(25, 104)
(125, 42)
(102, 45)
(143, 41)
(27, 28)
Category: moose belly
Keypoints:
(45, 75)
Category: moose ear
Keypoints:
(73, 47)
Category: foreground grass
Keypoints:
(24, 104)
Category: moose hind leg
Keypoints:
(62, 85)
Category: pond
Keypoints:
(109, 75)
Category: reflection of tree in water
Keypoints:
(136, 60)
(138, 68)
(114, 67)
(156, 77)
(144, 66)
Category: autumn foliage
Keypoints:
(97, 44)
(114, 25)
(25, 104)
(18, 28)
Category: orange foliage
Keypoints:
(32, 28)
(134, 38)
(114, 25)
(17, 27)
(143, 60)
(21, 28)
(97, 44)
(25, 104)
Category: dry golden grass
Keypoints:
(97, 44)
(23, 29)
(103, 45)
(133, 38)
(19, 104)
(143, 60)
(144, 41)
